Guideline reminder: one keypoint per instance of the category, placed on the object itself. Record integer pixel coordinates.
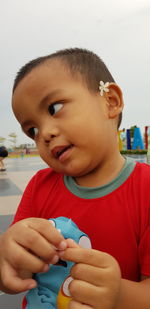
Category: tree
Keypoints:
(132, 131)
(13, 139)
(2, 140)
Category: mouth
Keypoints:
(59, 150)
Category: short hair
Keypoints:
(91, 68)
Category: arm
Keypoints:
(134, 294)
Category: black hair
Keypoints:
(91, 68)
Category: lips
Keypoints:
(59, 150)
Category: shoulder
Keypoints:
(142, 170)
(47, 174)
(138, 181)
(43, 184)
(141, 181)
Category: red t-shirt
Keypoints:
(117, 223)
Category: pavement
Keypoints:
(12, 184)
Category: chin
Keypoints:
(68, 172)
(73, 170)
(76, 173)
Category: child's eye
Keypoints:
(32, 132)
(54, 108)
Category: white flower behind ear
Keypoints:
(103, 87)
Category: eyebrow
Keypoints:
(24, 124)
(51, 95)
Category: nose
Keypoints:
(49, 131)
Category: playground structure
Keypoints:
(132, 140)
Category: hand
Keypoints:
(27, 247)
(96, 278)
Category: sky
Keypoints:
(118, 31)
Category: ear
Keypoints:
(114, 100)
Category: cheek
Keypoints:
(89, 134)
(44, 155)
(43, 151)
(78, 129)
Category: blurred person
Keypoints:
(3, 155)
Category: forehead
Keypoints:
(50, 74)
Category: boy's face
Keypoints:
(69, 124)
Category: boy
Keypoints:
(70, 105)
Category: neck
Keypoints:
(103, 174)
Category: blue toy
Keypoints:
(52, 289)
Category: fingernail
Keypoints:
(55, 259)
(62, 245)
(32, 286)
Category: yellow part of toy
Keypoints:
(62, 301)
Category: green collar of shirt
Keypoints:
(90, 193)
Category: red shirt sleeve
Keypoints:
(144, 253)
(144, 219)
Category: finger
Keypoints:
(23, 259)
(84, 293)
(36, 243)
(47, 230)
(88, 256)
(91, 274)
(13, 282)
(76, 305)
(70, 244)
